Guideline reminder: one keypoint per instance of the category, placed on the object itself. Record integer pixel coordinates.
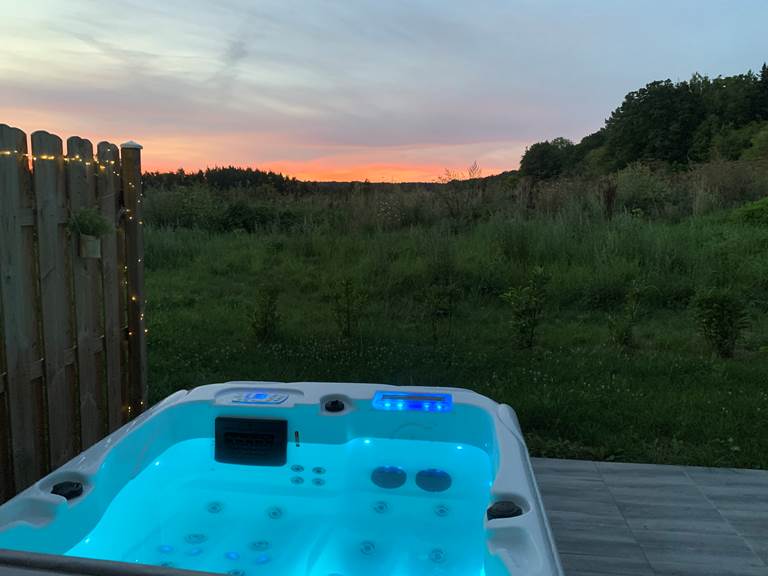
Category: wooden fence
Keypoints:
(72, 335)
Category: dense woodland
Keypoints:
(678, 123)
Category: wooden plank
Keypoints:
(56, 298)
(28, 217)
(6, 465)
(122, 270)
(137, 344)
(87, 285)
(18, 294)
(108, 187)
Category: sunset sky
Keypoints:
(355, 89)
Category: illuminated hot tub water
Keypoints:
(300, 479)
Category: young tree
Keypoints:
(545, 160)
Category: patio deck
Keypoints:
(642, 519)
(608, 519)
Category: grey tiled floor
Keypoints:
(642, 519)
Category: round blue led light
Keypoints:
(232, 555)
(165, 548)
(262, 559)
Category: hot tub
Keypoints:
(300, 479)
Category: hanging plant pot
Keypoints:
(89, 246)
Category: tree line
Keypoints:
(698, 120)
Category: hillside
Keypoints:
(677, 123)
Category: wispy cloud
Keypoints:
(402, 86)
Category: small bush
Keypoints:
(755, 213)
(89, 222)
(721, 318)
(240, 215)
(265, 315)
(527, 304)
(642, 192)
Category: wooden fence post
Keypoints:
(137, 343)
(87, 283)
(108, 188)
(18, 290)
(56, 297)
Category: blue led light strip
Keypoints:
(412, 402)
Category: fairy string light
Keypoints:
(102, 166)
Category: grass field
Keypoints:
(421, 304)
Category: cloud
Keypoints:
(353, 85)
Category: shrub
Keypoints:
(753, 213)
(89, 222)
(759, 145)
(265, 315)
(640, 191)
(721, 317)
(239, 215)
(527, 304)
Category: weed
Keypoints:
(347, 302)
(527, 304)
(721, 318)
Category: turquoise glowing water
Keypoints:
(319, 515)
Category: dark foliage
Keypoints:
(672, 122)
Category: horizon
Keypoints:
(394, 93)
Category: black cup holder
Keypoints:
(504, 509)
(69, 489)
(335, 406)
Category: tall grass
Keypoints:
(392, 286)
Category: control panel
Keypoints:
(259, 397)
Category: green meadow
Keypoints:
(404, 285)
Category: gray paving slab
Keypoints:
(645, 519)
